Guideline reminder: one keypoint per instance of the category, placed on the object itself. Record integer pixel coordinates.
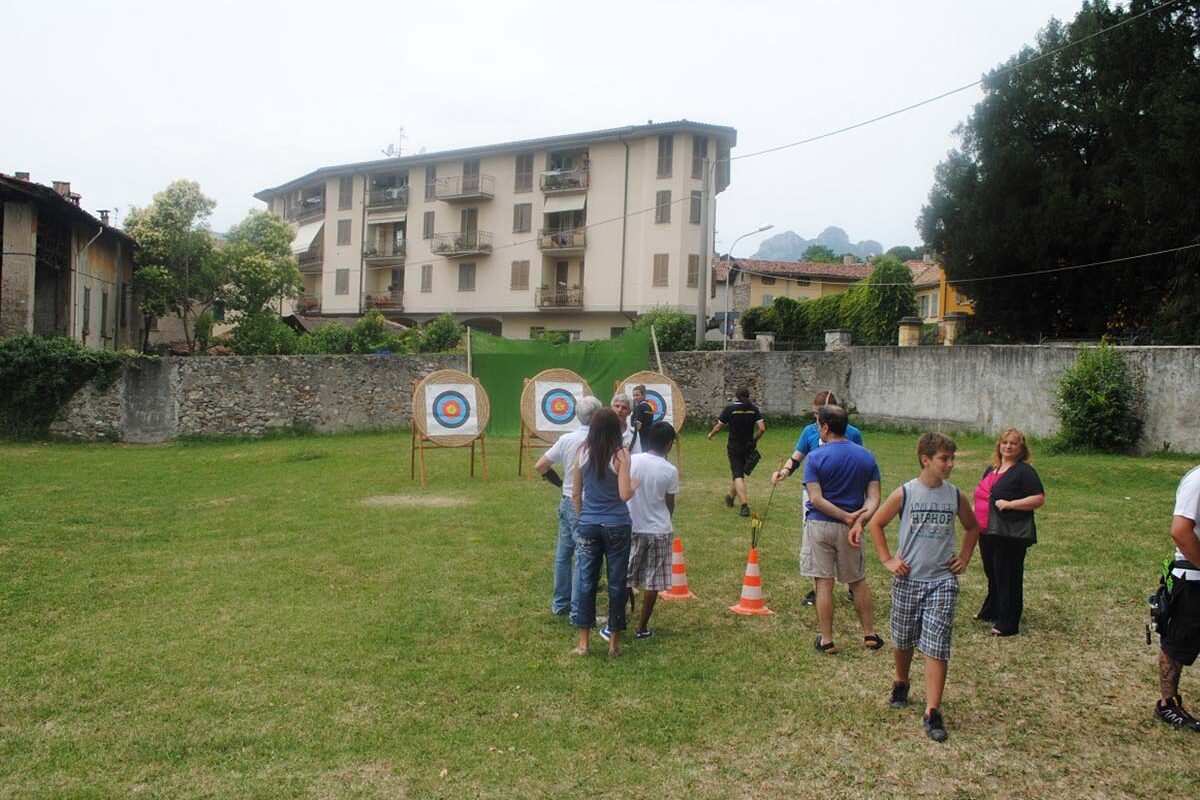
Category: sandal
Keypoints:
(828, 648)
(999, 633)
(873, 642)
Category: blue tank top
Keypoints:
(602, 503)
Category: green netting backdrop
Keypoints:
(502, 365)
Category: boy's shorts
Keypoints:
(923, 615)
(826, 552)
(650, 562)
(1181, 640)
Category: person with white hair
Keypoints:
(623, 405)
(564, 452)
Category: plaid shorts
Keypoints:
(923, 615)
(650, 562)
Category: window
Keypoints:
(341, 281)
(767, 280)
(662, 206)
(693, 274)
(767, 299)
(427, 225)
(343, 231)
(431, 182)
(104, 315)
(346, 193)
(694, 211)
(218, 311)
(522, 217)
(699, 152)
(87, 310)
(524, 182)
(427, 278)
(121, 320)
(666, 148)
(520, 275)
(661, 264)
(466, 277)
(616, 333)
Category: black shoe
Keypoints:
(745, 512)
(728, 501)
(810, 599)
(1174, 714)
(899, 695)
(850, 596)
(935, 727)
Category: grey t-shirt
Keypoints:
(927, 530)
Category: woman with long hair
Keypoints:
(599, 492)
(1005, 500)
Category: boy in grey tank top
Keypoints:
(925, 586)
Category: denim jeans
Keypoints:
(564, 554)
(593, 543)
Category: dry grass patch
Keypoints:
(414, 501)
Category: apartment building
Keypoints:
(578, 233)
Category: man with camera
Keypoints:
(1180, 632)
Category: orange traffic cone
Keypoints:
(679, 585)
(751, 602)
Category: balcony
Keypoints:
(384, 254)
(564, 181)
(307, 304)
(386, 302)
(460, 245)
(312, 207)
(560, 297)
(388, 197)
(465, 187)
(310, 262)
(562, 242)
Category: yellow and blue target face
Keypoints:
(451, 409)
(558, 406)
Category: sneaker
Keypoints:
(728, 501)
(899, 695)
(810, 599)
(606, 634)
(745, 512)
(935, 727)
(646, 634)
(1174, 714)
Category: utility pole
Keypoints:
(702, 277)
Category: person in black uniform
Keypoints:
(746, 427)
(640, 418)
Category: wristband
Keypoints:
(791, 465)
(552, 477)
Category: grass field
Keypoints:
(295, 618)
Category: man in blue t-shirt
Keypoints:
(843, 480)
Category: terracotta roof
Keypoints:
(48, 195)
(796, 269)
(924, 274)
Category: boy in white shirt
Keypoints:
(656, 483)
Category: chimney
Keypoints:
(63, 188)
(847, 259)
(103, 216)
(927, 258)
(22, 176)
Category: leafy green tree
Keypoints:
(877, 307)
(441, 335)
(263, 334)
(905, 253)
(674, 329)
(1097, 402)
(1082, 157)
(156, 292)
(328, 339)
(820, 254)
(172, 235)
(371, 334)
(260, 266)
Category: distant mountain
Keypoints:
(790, 246)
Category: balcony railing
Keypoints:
(310, 261)
(311, 207)
(465, 187)
(565, 181)
(560, 297)
(560, 241)
(456, 245)
(307, 304)
(388, 197)
(387, 302)
(380, 253)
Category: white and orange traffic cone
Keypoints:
(751, 602)
(679, 585)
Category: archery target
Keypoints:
(555, 406)
(451, 410)
(660, 399)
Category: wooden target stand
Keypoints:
(531, 438)
(421, 440)
(678, 406)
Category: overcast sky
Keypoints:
(122, 97)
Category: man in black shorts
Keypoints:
(1181, 638)
(746, 427)
(640, 419)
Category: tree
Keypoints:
(877, 308)
(1081, 157)
(259, 263)
(674, 329)
(820, 254)
(172, 235)
(442, 334)
(905, 253)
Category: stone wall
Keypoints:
(782, 383)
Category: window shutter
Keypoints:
(427, 277)
(466, 277)
(694, 213)
(520, 275)
(699, 151)
(345, 193)
(430, 182)
(661, 265)
(662, 206)
(666, 147)
(693, 273)
(343, 233)
(427, 225)
(342, 281)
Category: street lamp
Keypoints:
(729, 278)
